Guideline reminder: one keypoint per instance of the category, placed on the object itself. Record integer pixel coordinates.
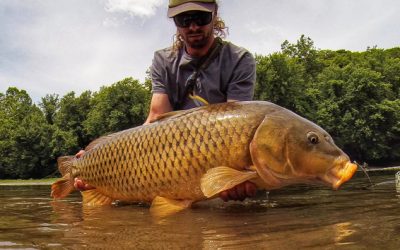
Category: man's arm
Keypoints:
(242, 80)
(159, 105)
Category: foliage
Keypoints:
(279, 77)
(32, 137)
(70, 117)
(117, 107)
(24, 151)
(353, 95)
(305, 53)
(359, 109)
(50, 105)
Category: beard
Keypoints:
(197, 39)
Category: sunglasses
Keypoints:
(200, 18)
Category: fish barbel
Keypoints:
(192, 155)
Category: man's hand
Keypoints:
(239, 192)
(80, 153)
(78, 183)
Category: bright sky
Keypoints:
(57, 46)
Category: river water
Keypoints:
(299, 217)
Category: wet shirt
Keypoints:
(230, 75)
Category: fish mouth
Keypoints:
(339, 174)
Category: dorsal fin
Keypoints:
(102, 139)
(97, 141)
(169, 115)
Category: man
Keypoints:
(229, 75)
(199, 69)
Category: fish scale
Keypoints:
(136, 165)
(228, 143)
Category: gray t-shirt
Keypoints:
(230, 75)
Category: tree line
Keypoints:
(355, 96)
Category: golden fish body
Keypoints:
(168, 158)
(195, 154)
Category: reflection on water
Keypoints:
(355, 217)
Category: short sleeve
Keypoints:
(241, 84)
(158, 74)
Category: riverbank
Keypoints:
(48, 181)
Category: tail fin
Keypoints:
(65, 185)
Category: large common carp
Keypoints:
(192, 155)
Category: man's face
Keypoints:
(196, 28)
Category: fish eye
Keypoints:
(312, 138)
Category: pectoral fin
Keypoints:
(94, 198)
(163, 207)
(220, 179)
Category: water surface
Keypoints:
(355, 217)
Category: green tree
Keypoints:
(356, 108)
(73, 111)
(305, 52)
(50, 105)
(31, 150)
(279, 80)
(391, 74)
(24, 137)
(14, 106)
(62, 143)
(120, 106)
(353, 95)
